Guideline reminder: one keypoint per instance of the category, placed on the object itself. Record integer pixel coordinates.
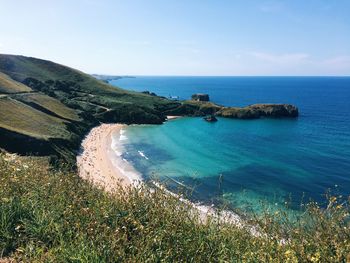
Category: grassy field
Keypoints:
(8, 85)
(62, 104)
(54, 216)
(20, 68)
(21, 118)
(50, 104)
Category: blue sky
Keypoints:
(204, 37)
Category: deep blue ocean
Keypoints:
(245, 163)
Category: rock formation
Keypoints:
(200, 97)
(210, 118)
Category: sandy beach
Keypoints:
(99, 163)
(170, 117)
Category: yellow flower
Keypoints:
(316, 257)
(289, 254)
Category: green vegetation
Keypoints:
(21, 118)
(259, 110)
(54, 216)
(50, 105)
(54, 106)
(8, 85)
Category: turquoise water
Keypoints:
(245, 161)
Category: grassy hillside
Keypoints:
(54, 216)
(49, 105)
(21, 118)
(8, 85)
(68, 82)
(53, 105)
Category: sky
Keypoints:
(182, 37)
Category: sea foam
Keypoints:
(123, 166)
(143, 154)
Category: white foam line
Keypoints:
(142, 154)
(205, 211)
(120, 163)
(122, 137)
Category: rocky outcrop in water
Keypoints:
(259, 110)
(200, 97)
(210, 118)
(200, 108)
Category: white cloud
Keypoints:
(286, 58)
(337, 65)
(338, 61)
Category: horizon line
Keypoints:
(243, 76)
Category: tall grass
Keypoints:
(54, 216)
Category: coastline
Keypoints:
(173, 117)
(100, 164)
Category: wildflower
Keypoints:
(5, 200)
(316, 257)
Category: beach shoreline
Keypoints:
(100, 164)
(173, 117)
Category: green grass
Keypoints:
(51, 104)
(21, 118)
(20, 68)
(54, 216)
(64, 103)
(8, 85)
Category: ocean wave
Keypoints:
(122, 137)
(143, 155)
(120, 163)
(224, 216)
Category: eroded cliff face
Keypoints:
(198, 108)
(260, 110)
(200, 97)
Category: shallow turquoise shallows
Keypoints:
(245, 161)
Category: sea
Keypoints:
(248, 165)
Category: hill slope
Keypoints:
(52, 106)
(46, 108)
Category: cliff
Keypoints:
(256, 111)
